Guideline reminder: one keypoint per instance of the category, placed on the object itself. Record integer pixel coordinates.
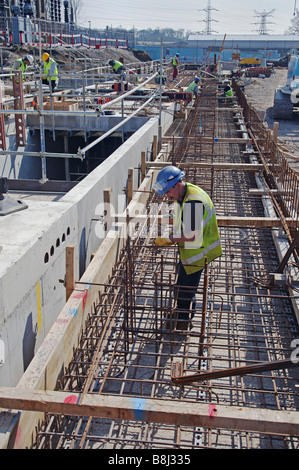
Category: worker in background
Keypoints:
(132, 77)
(20, 65)
(228, 91)
(175, 65)
(194, 87)
(160, 77)
(117, 66)
(195, 232)
(50, 71)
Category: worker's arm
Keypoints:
(183, 238)
(190, 231)
(16, 66)
(52, 70)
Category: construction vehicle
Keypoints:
(287, 97)
(250, 62)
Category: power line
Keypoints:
(208, 19)
(263, 23)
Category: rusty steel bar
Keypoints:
(251, 369)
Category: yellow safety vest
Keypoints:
(47, 66)
(229, 92)
(22, 68)
(117, 65)
(192, 87)
(208, 244)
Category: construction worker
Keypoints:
(50, 71)
(175, 64)
(161, 77)
(195, 232)
(194, 87)
(132, 77)
(227, 89)
(117, 66)
(20, 65)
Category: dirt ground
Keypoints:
(260, 93)
(64, 55)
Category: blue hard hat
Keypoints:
(196, 79)
(167, 178)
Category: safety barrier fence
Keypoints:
(33, 32)
(279, 174)
(66, 40)
(70, 40)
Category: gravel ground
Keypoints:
(260, 93)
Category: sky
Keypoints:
(228, 16)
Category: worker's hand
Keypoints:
(163, 241)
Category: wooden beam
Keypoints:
(220, 140)
(107, 208)
(266, 222)
(69, 269)
(223, 221)
(215, 166)
(151, 410)
(155, 147)
(130, 186)
(234, 109)
(143, 165)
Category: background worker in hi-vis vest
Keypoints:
(195, 232)
(50, 72)
(20, 65)
(175, 65)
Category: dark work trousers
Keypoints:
(186, 288)
(51, 83)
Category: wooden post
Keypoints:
(69, 269)
(143, 165)
(275, 131)
(268, 140)
(155, 147)
(130, 186)
(107, 208)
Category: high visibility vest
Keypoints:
(175, 60)
(193, 254)
(22, 67)
(192, 87)
(229, 92)
(47, 66)
(117, 65)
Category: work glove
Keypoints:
(163, 241)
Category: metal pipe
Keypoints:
(234, 371)
(95, 142)
(41, 154)
(42, 135)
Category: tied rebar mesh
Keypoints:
(131, 345)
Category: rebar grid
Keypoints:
(130, 347)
